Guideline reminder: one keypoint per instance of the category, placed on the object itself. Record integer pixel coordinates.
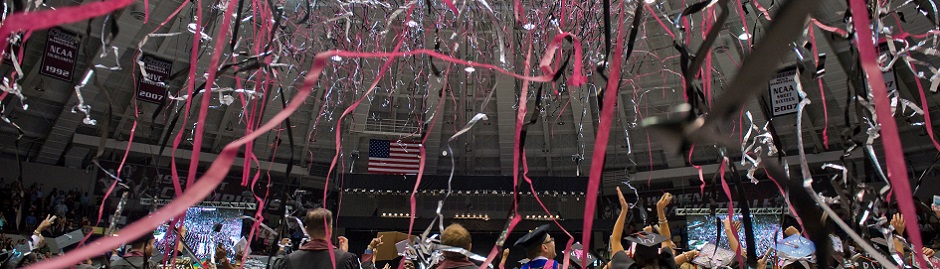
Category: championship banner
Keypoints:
(58, 60)
(153, 89)
(785, 92)
(890, 78)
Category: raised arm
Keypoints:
(617, 234)
(663, 222)
(731, 231)
(897, 221)
(502, 260)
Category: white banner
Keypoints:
(890, 80)
(785, 92)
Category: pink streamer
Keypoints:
(822, 92)
(894, 156)
(830, 28)
(217, 171)
(603, 134)
(928, 124)
(727, 189)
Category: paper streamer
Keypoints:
(45, 19)
(603, 135)
(894, 156)
(217, 171)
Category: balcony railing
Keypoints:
(391, 127)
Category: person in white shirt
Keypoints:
(61, 209)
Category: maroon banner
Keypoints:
(153, 89)
(58, 60)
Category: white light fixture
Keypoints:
(744, 35)
(650, 1)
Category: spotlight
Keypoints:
(744, 35)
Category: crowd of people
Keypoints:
(630, 247)
(23, 207)
(651, 247)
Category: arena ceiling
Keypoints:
(560, 143)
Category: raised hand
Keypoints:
(376, 242)
(623, 201)
(732, 225)
(46, 223)
(502, 261)
(897, 221)
(343, 243)
(664, 201)
(762, 262)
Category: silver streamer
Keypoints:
(808, 186)
(81, 106)
(117, 62)
(752, 149)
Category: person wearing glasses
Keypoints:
(539, 249)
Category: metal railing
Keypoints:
(721, 211)
(391, 126)
(213, 204)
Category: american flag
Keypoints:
(394, 158)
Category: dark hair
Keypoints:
(534, 250)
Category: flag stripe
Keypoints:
(404, 155)
(394, 158)
(415, 166)
(404, 145)
(395, 171)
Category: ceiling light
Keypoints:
(650, 1)
(744, 36)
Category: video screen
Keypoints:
(703, 229)
(201, 237)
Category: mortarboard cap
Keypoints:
(533, 238)
(576, 251)
(796, 246)
(711, 256)
(646, 244)
(620, 260)
(646, 239)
